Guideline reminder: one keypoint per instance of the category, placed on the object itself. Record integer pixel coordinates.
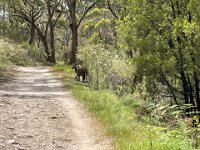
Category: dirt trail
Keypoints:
(36, 113)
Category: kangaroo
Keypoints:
(80, 71)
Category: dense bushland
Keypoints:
(156, 52)
(165, 37)
(144, 52)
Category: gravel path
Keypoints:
(37, 113)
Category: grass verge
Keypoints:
(120, 121)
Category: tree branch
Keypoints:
(87, 10)
(111, 10)
(56, 20)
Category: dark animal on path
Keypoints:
(81, 71)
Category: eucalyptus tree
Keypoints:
(9, 26)
(54, 12)
(77, 8)
(165, 38)
(41, 16)
(99, 27)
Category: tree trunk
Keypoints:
(74, 46)
(171, 89)
(32, 34)
(190, 87)
(52, 57)
(185, 86)
(74, 25)
(4, 20)
(74, 29)
(44, 42)
(197, 90)
(52, 40)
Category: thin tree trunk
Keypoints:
(190, 91)
(52, 57)
(170, 88)
(44, 42)
(74, 45)
(197, 90)
(52, 39)
(4, 20)
(32, 34)
(185, 88)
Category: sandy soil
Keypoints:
(37, 113)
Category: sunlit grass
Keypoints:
(120, 121)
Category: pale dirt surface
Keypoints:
(37, 113)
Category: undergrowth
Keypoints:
(120, 120)
(12, 53)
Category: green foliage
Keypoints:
(164, 37)
(12, 53)
(120, 121)
(106, 68)
(96, 11)
(34, 53)
(98, 60)
(128, 100)
(102, 23)
(98, 27)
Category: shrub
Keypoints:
(18, 54)
(106, 68)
